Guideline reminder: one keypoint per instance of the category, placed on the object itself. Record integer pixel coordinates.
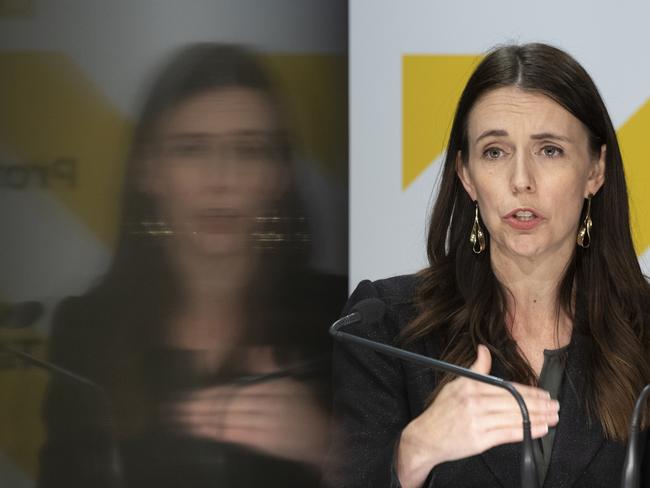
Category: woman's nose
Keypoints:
(221, 173)
(522, 178)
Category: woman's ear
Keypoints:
(597, 173)
(462, 170)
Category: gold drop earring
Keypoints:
(477, 237)
(584, 233)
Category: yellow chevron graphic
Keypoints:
(67, 136)
(634, 137)
(313, 88)
(431, 88)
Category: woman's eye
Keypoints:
(190, 149)
(250, 152)
(492, 153)
(256, 152)
(552, 151)
(187, 150)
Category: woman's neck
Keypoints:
(212, 302)
(212, 279)
(535, 315)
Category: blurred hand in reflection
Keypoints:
(279, 418)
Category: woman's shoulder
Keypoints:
(79, 311)
(398, 293)
(79, 323)
(393, 291)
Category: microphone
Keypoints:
(23, 315)
(372, 310)
(368, 311)
(54, 369)
(20, 315)
(114, 461)
(631, 467)
(296, 369)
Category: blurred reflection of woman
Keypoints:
(208, 290)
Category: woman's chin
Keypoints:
(525, 247)
(219, 244)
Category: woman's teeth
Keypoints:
(524, 215)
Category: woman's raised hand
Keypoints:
(467, 418)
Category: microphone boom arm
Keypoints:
(631, 476)
(529, 477)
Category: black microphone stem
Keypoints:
(529, 477)
(64, 373)
(58, 371)
(631, 467)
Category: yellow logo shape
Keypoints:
(431, 88)
(312, 88)
(634, 138)
(67, 137)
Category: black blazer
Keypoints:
(376, 396)
(95, 336)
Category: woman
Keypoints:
(208, 294)
(532, 277)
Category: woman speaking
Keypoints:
(532, 277)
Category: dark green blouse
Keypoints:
(550, 379)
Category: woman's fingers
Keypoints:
(495, 429)
(257, 407)
(483, 362)
(285, 421)
(492, 399)
(505, 420)
(506, 435)
(468, 417)
(528, 392)
(535, 406)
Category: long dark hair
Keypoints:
(141, 285)
(603, 288)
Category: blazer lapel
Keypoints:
(503, 461)
(576, 439)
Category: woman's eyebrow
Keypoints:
(550, 135)
(201, 135)
(504, 133)
(491, 132)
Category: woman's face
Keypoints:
(214, 166)
(530, 168)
